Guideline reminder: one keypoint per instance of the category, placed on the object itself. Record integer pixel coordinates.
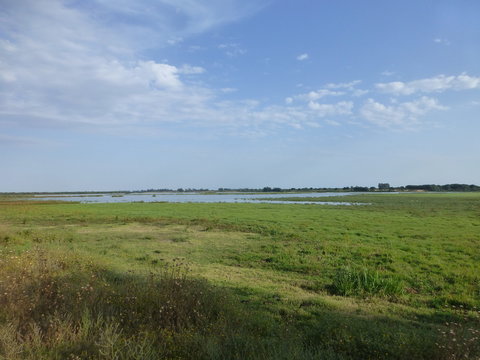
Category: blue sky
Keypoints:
(103, 94)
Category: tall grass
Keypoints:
(365, 282)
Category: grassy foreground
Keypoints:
(396, 279)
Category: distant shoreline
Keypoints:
(269, 190)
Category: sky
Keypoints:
(126, 95)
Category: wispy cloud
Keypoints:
(399, 116)
(67, 69)
(232, 49)
(331, 89)
(190, 70)
(438, 83)
(302, 57)
(442, 41)
(228, 90)
(69, 63)
(350, 85)
(340, 108)
(332, 122)
(316, 95)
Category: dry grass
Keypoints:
(56, 305)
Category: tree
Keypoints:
(383, 186)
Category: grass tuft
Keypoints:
(365, 282)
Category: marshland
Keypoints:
(397, 277)
(197, 180)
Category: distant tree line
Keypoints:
(267, 189)
(447, 187)
(380, 187)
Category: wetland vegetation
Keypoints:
(398, 278)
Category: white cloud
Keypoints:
(228, 90)
(195, 48)
(232, 49)
(438, 83)
(332, 89)
(340, 108)
(174, 41)
(191, 70)
(401, 116)
(318, 94)
(387, 73)
(332, 122)
(302, 57)
(149, 23)
(349, 85)
(161, 75)
(62, 66)
(442, 41)
(359, 92)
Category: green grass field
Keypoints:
(396, 279)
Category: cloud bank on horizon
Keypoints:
(147, 68)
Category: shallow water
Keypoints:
(192, 198)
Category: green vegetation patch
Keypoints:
(365, 282)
